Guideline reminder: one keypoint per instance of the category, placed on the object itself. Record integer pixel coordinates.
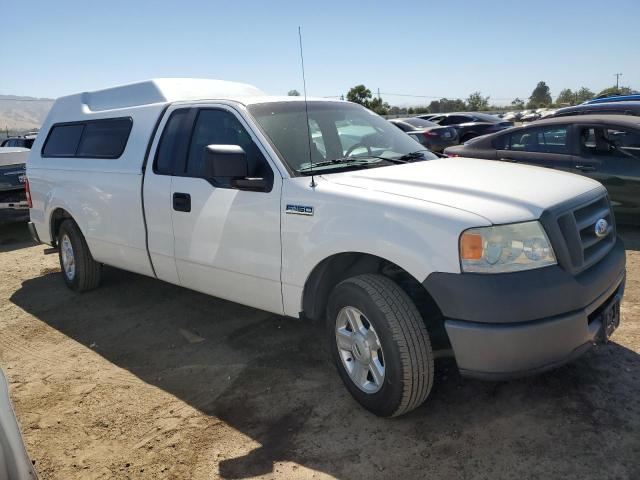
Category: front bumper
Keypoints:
(510, 325)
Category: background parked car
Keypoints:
(471, 124)
(603, 147)
(601, 108)
(429, 134)
(427, 116)
(614, 98)
(20, 142)
(512, 116)
(13, 199)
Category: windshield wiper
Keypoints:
(407, 157)
(351, 160)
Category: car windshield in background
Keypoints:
(343, 135)
(419, 123)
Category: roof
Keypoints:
(613, 98)
(633, 104)
(626, 120)
(159, 91)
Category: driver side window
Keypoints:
(220, 127)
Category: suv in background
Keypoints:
(614, 98)
(602, 108)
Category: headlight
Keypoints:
(505, 248)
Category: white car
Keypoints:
(337, 216)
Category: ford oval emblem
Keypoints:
(601, 227)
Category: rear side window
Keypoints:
(91, 139)
(104, 139)
(63, 141)
(546, 140)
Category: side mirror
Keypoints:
(227, 161)
(230, 162)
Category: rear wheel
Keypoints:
(79, 270)
(380, 345)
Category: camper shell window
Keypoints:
(105, 138)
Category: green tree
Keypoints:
(607, 92)
(293, 93)
(518, 103)
(584, 94)
(540, 97)
(476, 102)
(566, 97)
(410, 110)
(359, 94)
(378, 106)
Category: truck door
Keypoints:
(166, 158)
(227, 241)
(548, 146)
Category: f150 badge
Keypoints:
(299, 209)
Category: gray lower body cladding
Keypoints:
(510, 325)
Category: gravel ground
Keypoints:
(142, 379)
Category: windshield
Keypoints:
(344, 135)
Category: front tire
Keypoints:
(380, 345)
(79, 270)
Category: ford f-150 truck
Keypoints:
(321, 209)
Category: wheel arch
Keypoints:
(340, 266)
(58, 215)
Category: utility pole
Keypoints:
(617, 75)
(379, 95)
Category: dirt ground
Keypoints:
(142, 379)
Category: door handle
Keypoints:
(505, 159)
(181, 202)
(586, 168)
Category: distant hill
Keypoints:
(23, 113)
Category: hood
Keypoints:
(498, 191)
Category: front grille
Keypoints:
(578, 228)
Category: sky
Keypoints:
(425, 48)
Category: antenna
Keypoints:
(306, 109)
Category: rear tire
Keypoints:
(79, 270)
(380, 345)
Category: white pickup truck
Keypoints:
(323, 210)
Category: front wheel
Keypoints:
(380, 345)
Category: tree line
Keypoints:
(540, 98)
